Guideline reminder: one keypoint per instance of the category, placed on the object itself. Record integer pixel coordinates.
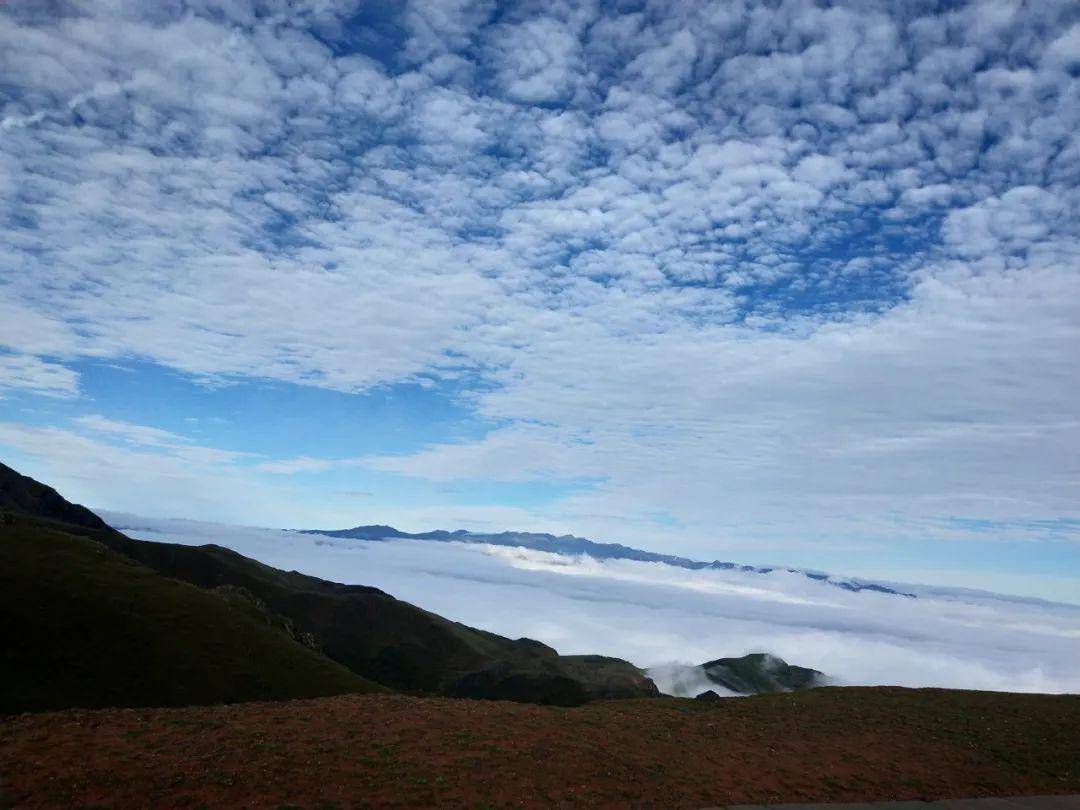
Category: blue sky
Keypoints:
(780, 282)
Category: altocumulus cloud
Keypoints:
(784, 270)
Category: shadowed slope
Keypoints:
(396, 643)
(761, 673)
(89, 627)
(368, 631)
(23, 495)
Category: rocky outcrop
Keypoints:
(241, 596)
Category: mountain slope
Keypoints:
(371, 633)
(87, 627)
(761, 673)
(394, 642)
(569, 544)
(22, 495)
(753, 674)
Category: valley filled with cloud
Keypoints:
(657, 615)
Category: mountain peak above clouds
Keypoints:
(569, 544)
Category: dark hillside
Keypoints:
(761, 673)
(377, 637)
(22, 495)
(89, 627)
(394, 642)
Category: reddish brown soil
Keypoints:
(398, 751)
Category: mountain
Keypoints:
(568, 544)
(22, 495)
(120, 592)
(754, 674)
(396, 643)
(760, 673)
(89, 627)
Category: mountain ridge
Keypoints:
(759, 673)
(89, 626)
(78, 591)
(569, 544)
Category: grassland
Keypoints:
(379, 750)
(88, 627)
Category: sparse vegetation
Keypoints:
(831, 744)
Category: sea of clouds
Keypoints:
(659, 616)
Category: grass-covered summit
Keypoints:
(761, 673)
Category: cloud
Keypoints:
(683, 680)
(128, 432)
(29, 373)
(780, 428)
(168, 446)
(443, 26)
(537, 61)
(778, 270)
(653, 614)
(125, 466)
(288, 466)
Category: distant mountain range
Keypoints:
(101, 619)
(568, 544)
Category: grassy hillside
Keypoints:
(761, 673)
(831, 744)
(85, 626)
(94, 615)
(22, 495)
(396, 643)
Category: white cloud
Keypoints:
(691, 254)
(911, 414)
(653, 614)
(132, 467)
(445, 25)
(538, 60)
(1064, 52)
(135, 434)
(664, 68)
(299, 464)
(820, 171)
(29, 373)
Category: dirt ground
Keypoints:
(835, 744)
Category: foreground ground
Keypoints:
(390, 750)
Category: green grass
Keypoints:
(87, 627)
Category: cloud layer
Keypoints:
(655, 614)
(767, 271)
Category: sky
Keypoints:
(671, 620)
(784, 282)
